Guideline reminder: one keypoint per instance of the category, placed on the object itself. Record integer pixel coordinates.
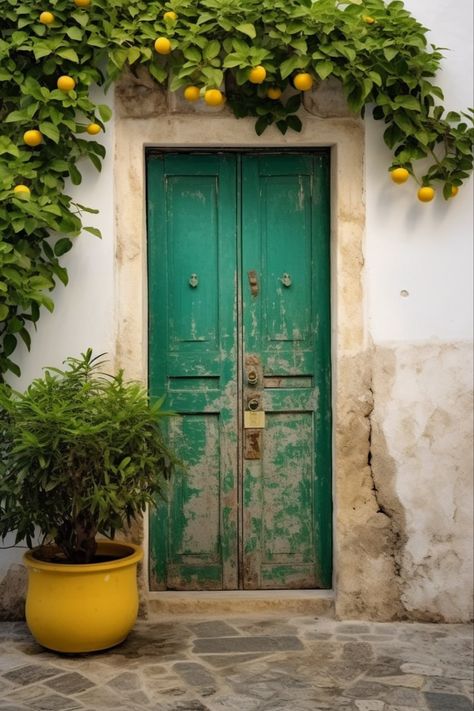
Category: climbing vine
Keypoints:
(258, 55)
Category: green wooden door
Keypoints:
(239, 338)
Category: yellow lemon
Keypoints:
(426, 194)
(213, 97)
(46, 18)
(93, 129)
(170, 15)
(369, 20)
(22, 189)
(65, 83)
(192, 93)
(257, 74)
(82, 3)
(303, 81)
(274, 92)
(399, 175)
(454, 191)
(32, 137)
(163, 45)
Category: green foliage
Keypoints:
(376, 49)
(81, 453)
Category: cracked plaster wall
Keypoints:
(422, 463)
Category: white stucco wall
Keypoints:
(422, 340)
(419, 290)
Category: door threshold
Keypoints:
(305, 602)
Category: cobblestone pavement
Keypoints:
(247, 664)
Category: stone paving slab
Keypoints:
(247, 663)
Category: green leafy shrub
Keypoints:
(377, 50)
(81, 453)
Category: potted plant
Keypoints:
(81, 455)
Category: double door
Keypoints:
(239, 340)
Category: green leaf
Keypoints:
(81, 17)
(74, 33)
(390, 53)
(261, 124)
(50, 130)
(76, 177)
(293, 103)
(69, 54)
(133, 54)
(247, 29)
(408, 102)
(62, 246)
(212, 49)
(294, 122)
(404, 122)
(324, 69)
(53, 210)
(41, 51)
(393, 135)
(193, 54)
(94, 231)
(26, 338)
(214, 76)
(16, 371)
(453, 117)
(9, 344)
(157, 72)
(105, 112)
(290, 65)
(4, 311)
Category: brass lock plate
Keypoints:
(254, 419)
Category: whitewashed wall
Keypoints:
(419, 305)
(419, 317)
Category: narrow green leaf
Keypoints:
(9, 344)
(76, 177)
(94, 231)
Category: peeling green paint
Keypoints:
(204, 211)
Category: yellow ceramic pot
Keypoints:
(83, 608)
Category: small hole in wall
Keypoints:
(404, 293)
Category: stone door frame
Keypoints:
(364, 582)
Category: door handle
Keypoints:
(253, 404)
(253, 281)
(252, 377)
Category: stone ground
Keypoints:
(247, 663)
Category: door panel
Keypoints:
(284, 240)
(251, 507)
(193, 358)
